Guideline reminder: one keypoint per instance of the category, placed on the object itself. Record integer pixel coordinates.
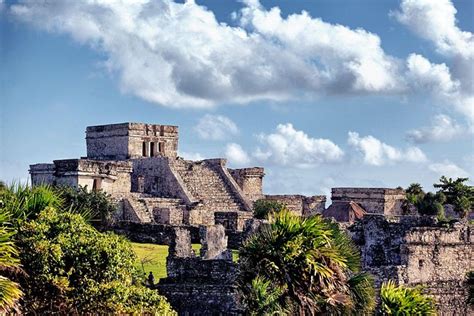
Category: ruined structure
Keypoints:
(414, 250)
(138, 164)
(350, 204)
(165, 199)
(205, 284)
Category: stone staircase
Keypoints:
(144, 205)
(205, 183)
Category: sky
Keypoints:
(320, 93)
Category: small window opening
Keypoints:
(152, 149)
(97, 184)
(161, 148)
(144, 149)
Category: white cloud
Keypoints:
(442, 128)
(190, 155)
(435, 21)
(179, 55)
(291, 147)
(236, 155)
(448, 169)
(216, 127)
(378, 153)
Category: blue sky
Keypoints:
(351, 93)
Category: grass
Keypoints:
(152, 258)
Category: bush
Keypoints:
(401, 300)
(263, 208)
(73, 268)
(96, 204)
(457, 193)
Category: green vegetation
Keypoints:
(426, 203)
(152, 258)
(9, 290)
(263, 208)
(311, 265)
(401, 300)
(69, 266)
(457, 193)
(97, 204)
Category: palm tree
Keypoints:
(9, 291)
(17, 203)
(312, 261)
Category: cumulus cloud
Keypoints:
(378, 153)
(290, 147)
(216, 127)
(236, 155)
(448, 169)
(179, 55)
(435, 21)
(442, 128)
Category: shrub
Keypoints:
(96, 204)
(401, 300)
(73, 268)
(263, 208)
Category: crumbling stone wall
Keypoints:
(373, 200)
(301, 205)
(202, 285)
(249, 181)
(414, 250)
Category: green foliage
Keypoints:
(414, 193)
(426, 203)
(93, 204)
(431, 204)
(9, 290)
(401, 300)
(73, 268)
(24, 202)
(263, 208)
(457, 193)
(263, 298)
(311, 261)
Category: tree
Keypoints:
(73, 268)
(414, 193)
(98, 204)
(401, 300)
(263, 208)
(426, 203)
(457, 193)
(311, 264)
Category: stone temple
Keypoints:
(138, 164)
(163, 198)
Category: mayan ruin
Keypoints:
(165, 199)
(239, 157)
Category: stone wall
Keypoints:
(202, 285)
(234, 221)
(250, 181)
(413, 250)
(153, 233)
(373, 200)
(131, 140)
(300, 204)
